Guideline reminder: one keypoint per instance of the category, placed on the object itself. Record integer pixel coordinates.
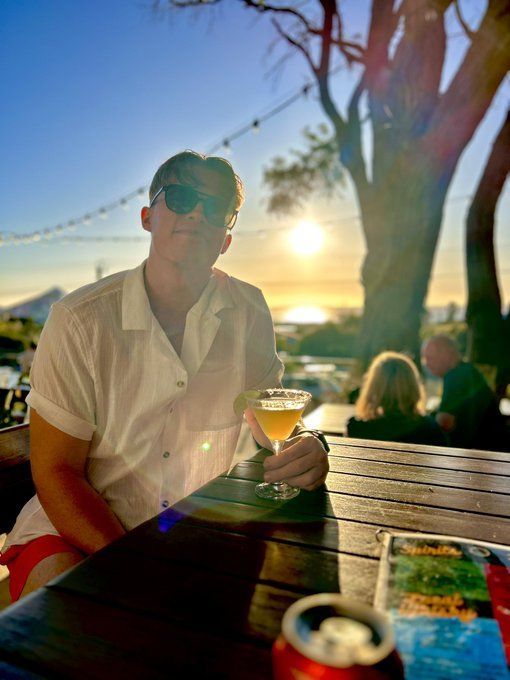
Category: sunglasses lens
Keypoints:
(217, 211)
(180, 199)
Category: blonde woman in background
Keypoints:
(391, 404)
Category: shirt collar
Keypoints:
(136, 310)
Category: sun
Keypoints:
(309, 314)
(306, 239)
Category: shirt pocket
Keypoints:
(210, 399)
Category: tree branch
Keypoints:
(470, 34)
(485, 65)
(264, 7)
(350, 144)
(345, 45)
(322, 72)
(295, 44)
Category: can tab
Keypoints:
(344, 640)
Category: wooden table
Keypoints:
(330, 418)
(200, 590)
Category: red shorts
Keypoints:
(21, 559)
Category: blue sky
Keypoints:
(98, 94)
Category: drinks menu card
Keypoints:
(449, 602)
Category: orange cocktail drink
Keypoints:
(277, 421)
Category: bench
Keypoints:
(16, 487)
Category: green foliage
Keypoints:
(15, 336)
(330, 340)
(292, 181)
(27, 330)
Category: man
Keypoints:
(468, 411)
(135, 377)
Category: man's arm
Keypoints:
(76, 510)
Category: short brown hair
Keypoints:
(182, 167)
(391, 385)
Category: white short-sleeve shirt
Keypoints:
(160, 425)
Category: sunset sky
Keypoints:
(98, 94)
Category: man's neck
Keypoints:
(172, 292)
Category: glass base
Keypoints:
(276, 492)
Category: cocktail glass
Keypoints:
(277, 412)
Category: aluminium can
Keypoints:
(332, 637)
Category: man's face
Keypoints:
(187, 240)
(434, 357)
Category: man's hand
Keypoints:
(302, 463)
(446, 421)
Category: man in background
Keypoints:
(468, 411)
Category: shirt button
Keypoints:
(166, 454)
(180, 383)
(171, 410)
(164, 504)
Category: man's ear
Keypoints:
(226, 244)
(145, 217)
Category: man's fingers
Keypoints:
(304, 447)
(309, 479)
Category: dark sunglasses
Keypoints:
(182, 199)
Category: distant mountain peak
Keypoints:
(37, 307)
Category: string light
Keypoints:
(140, 193)
(225, 145)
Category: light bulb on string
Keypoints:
(124, 204)
(103, 214)
(255, 126)
(141, 194)
(226, 147)
(71, 225)
(87, 220)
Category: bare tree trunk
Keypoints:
(487, 343)
(400, 255)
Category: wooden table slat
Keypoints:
(437, 462)
(88, 639)
(423, 492)
(463, 479)
(340, 442)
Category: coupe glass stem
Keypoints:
(277, 447)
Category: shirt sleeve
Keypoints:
(264, 368)
(62, 384)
